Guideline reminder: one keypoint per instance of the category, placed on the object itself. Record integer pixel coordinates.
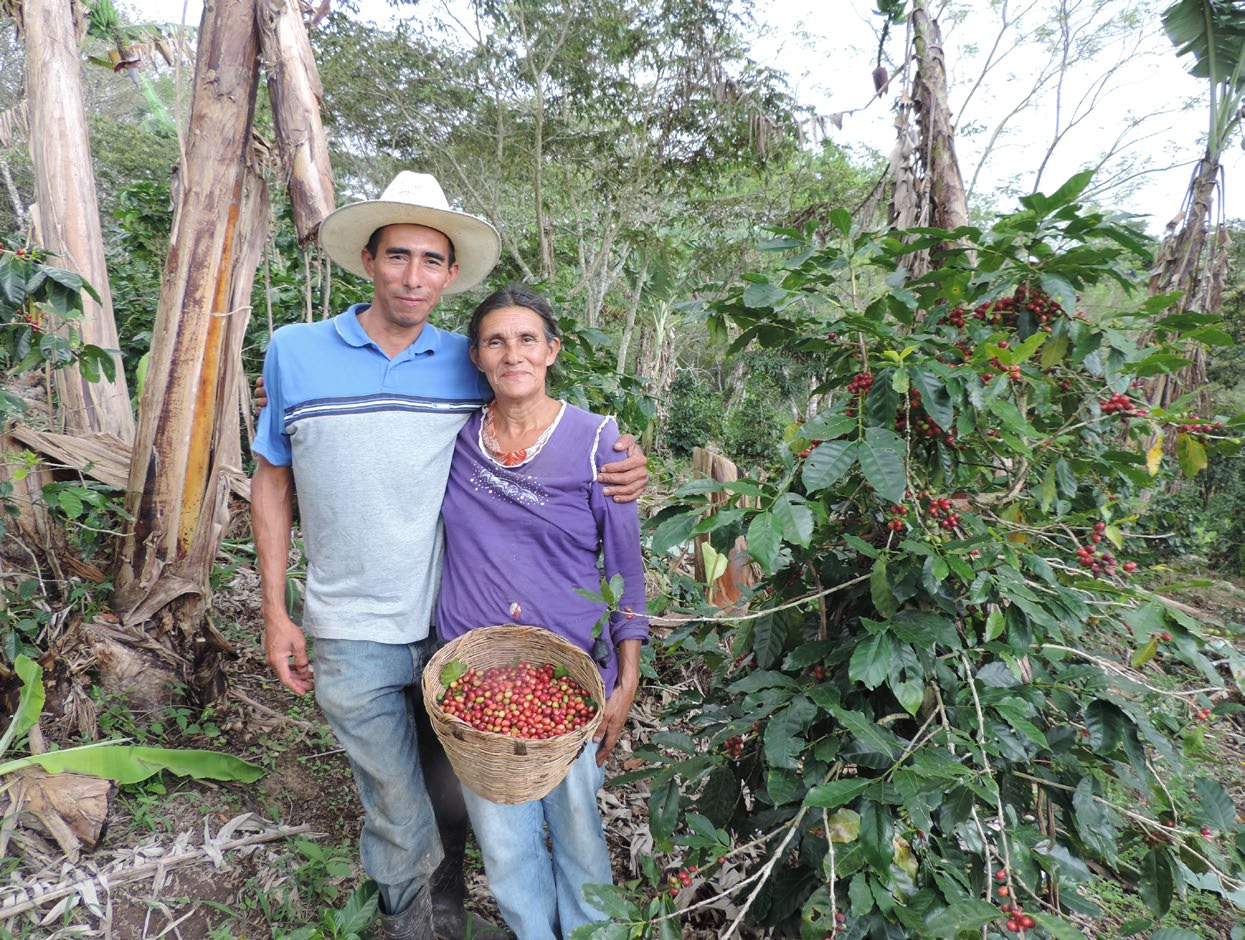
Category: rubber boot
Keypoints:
(449, 891)
(414, 923)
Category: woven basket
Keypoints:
(496, 766)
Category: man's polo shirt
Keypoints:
(370, 439)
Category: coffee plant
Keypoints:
(39, 304)
(935, 716)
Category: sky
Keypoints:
(828, 51)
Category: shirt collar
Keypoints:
(350, 330)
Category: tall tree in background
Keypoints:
(67, 219)
(927, 187)
(1193, 257)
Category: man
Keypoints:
(363, 409)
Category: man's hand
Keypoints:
(261, 395)
(286, 650)
(624, 479)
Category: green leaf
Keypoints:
(1054, 351)
(881, 461)
(1066, 479)
(674, 531)
(784, 733)
(764, 540)
(836, 793)
(1190, 454)
(844, 826)
(1068, 192)
(1105, 724)
(880, 589)
(910, 694)
(1057, 858)
(1058, 928)
(1156, 885)
(1058, 287)
(1046, 491)
(935, 399)
(876, 829)
(612, 901)
(131, 763)
(1174, 933)
(769, 639)
(761, 679)
(827, 426)
(1214, 806)
(827, 463)
(359, 911)
(960, 917)
(663, 811)
(763, 294)
(452, 671)
(866, 733)
(994, 625)
(872, 659)
(1094, 822)
(783, 785)
(29, 701)
(1146, 653)
(860, 896)
(794, 518)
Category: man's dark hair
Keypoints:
(515, 295)
(373, 243)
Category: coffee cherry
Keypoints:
(1003, 891)
(1013, 926)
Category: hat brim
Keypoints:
(477, 247)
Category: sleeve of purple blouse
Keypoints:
(619, 527)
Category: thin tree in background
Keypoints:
(67, 218)
(1193, 257)
(927, 186)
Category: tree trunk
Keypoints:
(188, 418)
(68, 209)
(727, 591)
(296, 96)
(1194, 264)
(946, 185)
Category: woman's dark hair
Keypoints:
(515, 295)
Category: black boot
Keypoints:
(414, 923)
(449, 891)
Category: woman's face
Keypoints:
(514, 354)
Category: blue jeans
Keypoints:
(541, 897)
(370, 694)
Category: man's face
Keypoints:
(410, 270)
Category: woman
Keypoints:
(525, 524)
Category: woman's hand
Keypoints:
(618, 705)
(624, 479)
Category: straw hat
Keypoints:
(416, 199)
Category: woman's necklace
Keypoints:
(509, 458)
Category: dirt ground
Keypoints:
(268, 889)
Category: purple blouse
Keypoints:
(520, 540)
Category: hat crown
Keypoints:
(416, 189)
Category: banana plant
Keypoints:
(115, 760)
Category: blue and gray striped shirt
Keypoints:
(370, 440)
